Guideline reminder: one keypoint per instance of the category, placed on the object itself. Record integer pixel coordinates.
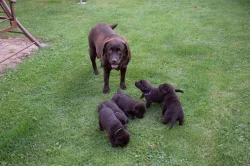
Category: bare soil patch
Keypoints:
(13, 51)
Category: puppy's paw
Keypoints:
(148, 105)
(163, 121)
(180, 123)
(113, 144)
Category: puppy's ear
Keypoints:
(146, 88)
(100, 106)
(163, 89)
(166, 90)
(179, 90)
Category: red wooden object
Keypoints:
(11, 17)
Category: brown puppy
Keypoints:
(172, 108)
(112, 49)
(118, 135)
(132, 108)
(117, 111)
(150, 93)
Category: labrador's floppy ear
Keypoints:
(126, 59)
(105, 42)
(179, 90)
(128, 50)
(101, 47)
(100, 51)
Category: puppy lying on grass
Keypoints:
(172, 108)
(117, 111)
(118, 135)
(150, 93)
(132, 108)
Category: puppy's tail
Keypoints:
(112, 26)
(179, 90)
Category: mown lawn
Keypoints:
(48, 104)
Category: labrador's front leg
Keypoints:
(106, 80)
(122, 81)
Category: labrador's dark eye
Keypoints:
(110, 51)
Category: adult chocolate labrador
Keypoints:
(113, 51)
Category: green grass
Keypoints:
(48, 104)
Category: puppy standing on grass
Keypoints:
(172, 108)
(118, 135)
(150, 93)
(112, 49)
(132, 108)
(117, 111)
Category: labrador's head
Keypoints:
(116, 53)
